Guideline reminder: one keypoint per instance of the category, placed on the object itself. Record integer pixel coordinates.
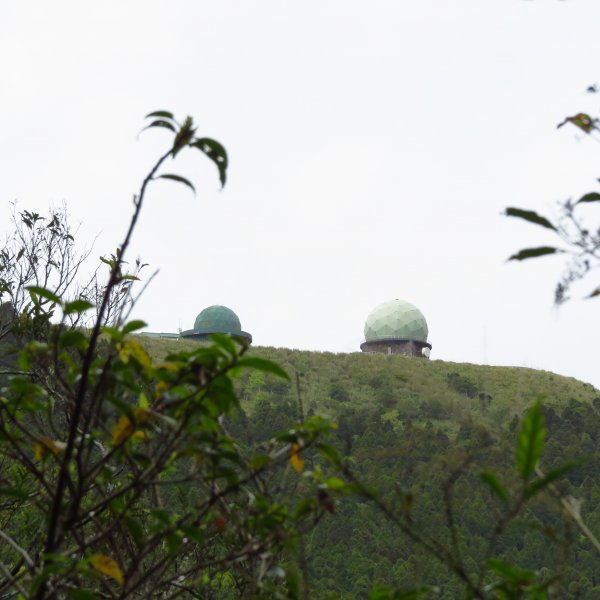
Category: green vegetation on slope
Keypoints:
(406, 425)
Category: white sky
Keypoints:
(373, 146)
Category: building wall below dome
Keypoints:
(404, 347)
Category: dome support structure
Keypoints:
(404, 347)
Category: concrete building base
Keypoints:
(404, 347)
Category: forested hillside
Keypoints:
(421, 433)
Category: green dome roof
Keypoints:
(217, 319)
(396, 320)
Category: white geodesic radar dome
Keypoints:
(396, 320)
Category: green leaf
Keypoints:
(133, 326)
(161, 516)
(77, 306)
(137, 531)
(174, 543)
(591, 197)
(595, 293)
(258, 461)
(179, 179)
(106, 261)
(217, 153)
(160, 123)
(79, 594)
(510, 573)
(165, 114)
(113, 333)
(72, 338)
(43, 293)
(531, 216)
(304, 507)
(25, 360)
(530, 441)
(14, 493)
(264, 365)
(534, 252)
(331, 453)
(335, 483)
(381, 592)
(538, 485)
(492, 481)
(225, 342)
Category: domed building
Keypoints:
(396, 327)
(216, 319)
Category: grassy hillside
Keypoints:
(404, 425)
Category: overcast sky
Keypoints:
(373, 147)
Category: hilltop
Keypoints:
(401, 387)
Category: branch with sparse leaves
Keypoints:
(119, 475)
(579, 242)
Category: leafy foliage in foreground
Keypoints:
(159, 498)
(118, 477)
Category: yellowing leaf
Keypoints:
(161, 386)
(141, 355)
(44, 445)
(122, 430)
(107, 566)
(123, 352)
(295, 458)
(168, 366)
(125, 428)
(134, 350)
(142, 415)
(38, 450)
